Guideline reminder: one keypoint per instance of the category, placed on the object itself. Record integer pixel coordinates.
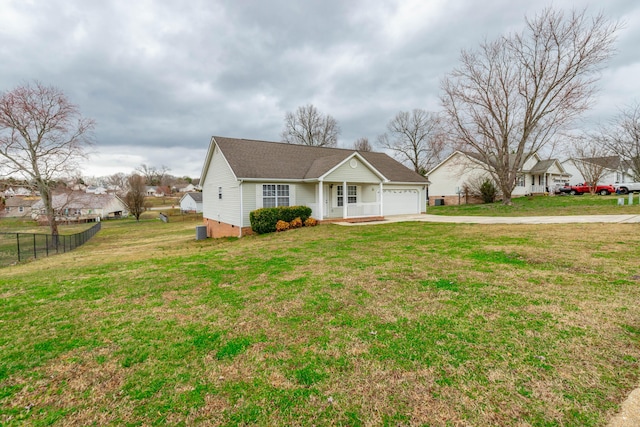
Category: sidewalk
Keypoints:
(569, 219)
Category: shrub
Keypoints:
(282, 225)
(264, 220)
(296, 223)
(310, 222)
(488, 191)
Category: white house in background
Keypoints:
(95, 189)
(191, 202)
(241, 175)
(450, 177)
(614, 169)
(81, 206)
(188, 189)
(18, 191)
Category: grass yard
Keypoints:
(585, 204)
(395, 324)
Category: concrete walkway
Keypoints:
(629, 415)
(569, 219)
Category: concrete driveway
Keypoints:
(569, 219)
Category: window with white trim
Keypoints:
(520, 181)
(352, 195)
(274, 195)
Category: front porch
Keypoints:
(360, 201)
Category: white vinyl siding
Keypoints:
(220, 177)
(361, 173)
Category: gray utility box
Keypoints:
(201, 232)
(439, 202)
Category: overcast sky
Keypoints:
(161, 77)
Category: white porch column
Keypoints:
(320, 201)
(381, 201)
(344, 199)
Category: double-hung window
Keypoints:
(274, 195)
(352, 195)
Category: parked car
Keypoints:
(603, 190)
(628, 187)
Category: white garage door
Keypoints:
(401, 202)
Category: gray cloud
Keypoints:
(161, 77)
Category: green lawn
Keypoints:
(394, 324)
(546, 205)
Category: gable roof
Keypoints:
(20, 201)
(79, 200)
(196, 196)
(609, 162)
(541, 166)
(253, 159)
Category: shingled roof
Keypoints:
(252, 159)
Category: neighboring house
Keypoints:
(188, 189)
(82, 207)
(241, 175)
(613, 169)
(18, 191)
(96, 190)
(191, 202)
(461, 169)
(151, 191)
(19, 206)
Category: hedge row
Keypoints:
(264, 220)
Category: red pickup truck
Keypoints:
(603, 190)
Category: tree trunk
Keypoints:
(47, 200)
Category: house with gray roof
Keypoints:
(241, 175)
(19, 206)
(78, 206)
(612, 169)
(463, 170)
(191, 202)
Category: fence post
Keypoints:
(18, 245)
(35, 251)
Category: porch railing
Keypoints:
(363, 209)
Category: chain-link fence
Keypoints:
(16, 247)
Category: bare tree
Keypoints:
(118, 182)
(135, 196)
(42, 136)
(511, 97)
(362, 144)
(590, 158)
(307, 126)
(153, 175)
(416, 138)
(622, 137)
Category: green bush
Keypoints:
(488, 191)
(264, 220)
